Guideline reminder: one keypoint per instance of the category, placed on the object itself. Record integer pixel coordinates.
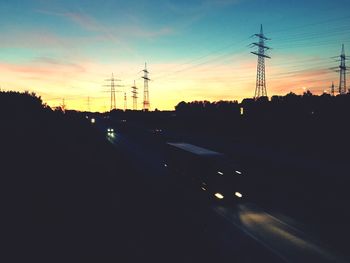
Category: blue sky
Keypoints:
(194, 49)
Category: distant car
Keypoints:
(110, 132)
(155, 131)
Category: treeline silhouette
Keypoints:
(306, 123)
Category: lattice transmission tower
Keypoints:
(260, 89)
(63, 106)
(88, 104)
(125, 102)
(113, 86)
(332, 89)
(134, 96)
(342, 71)
(146, 104)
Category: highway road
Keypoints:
(244, 232)
(281, 238)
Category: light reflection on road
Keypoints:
(281, 238)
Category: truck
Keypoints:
(210, 171)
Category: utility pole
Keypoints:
(260, 89)
(134, 96)
(146, 104)
(112, 86)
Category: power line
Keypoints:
(201, 63)
(291, 37)
(298, 39)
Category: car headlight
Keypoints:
(219, 195)
(238, 194)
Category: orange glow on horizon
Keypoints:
(55, 80)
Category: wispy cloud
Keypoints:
(58, 63)
(201, 8)
(82, 20)
(33, 39)
(44, 69)
(118, 33)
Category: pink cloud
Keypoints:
(43, 65)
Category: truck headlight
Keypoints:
(238, 194)
(219, 196)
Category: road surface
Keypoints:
(245, 232)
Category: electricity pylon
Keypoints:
(342, 72)
(332, 89)
(125, 101)
(113, 85)
(260, 89)
(146, 104)
(134, 96)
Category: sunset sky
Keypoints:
(195, 50)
